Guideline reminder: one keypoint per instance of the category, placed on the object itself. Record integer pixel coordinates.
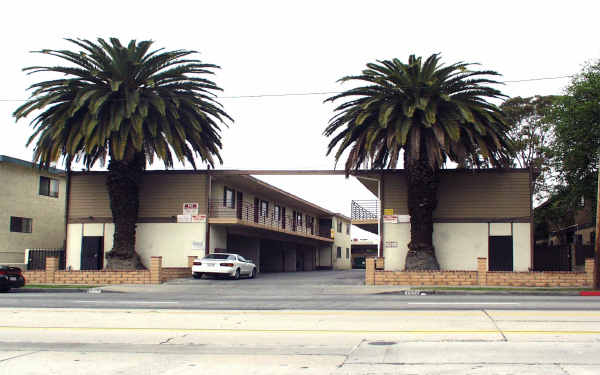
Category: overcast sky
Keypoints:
(279, 47)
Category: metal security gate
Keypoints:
(36, 259)
(500, 253)
(92, 254)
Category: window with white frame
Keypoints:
(229, 198)
(264, 208)
(339, 252)
(277, 213)
(48, 187)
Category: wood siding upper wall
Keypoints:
(88, 196)
(161, 195)
(461, 195)
(394, 193)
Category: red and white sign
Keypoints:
(198, 218)
(390, 219)
(190, 208)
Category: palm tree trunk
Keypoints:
(422, 181)
(123, 180)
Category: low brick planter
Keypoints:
(374, 275)
(155, 275)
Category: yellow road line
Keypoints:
(301, 331)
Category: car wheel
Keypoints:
(252, 273)
(237, 274)
(197, 275)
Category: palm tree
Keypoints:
(431, 112)
(129, 105)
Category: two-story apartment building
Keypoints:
(32, 209)
(193, 213)
(480, 213)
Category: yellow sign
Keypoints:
(388, 211)
(332, 232)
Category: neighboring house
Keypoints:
(360, 250)
(480, 213)
(341, 242)
(228, 211)
(32, 209)
(574, 229)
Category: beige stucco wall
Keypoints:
(395, 257)
(458, 245)
(218, 238)
(521, 246)
(342, 240)
(74, 235)
(20, 198)
(325, 256)
(150, 241)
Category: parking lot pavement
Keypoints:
(285, 283)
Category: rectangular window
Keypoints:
(20, 224)
(264, 208)
(339, 252)
(277, 213)
(299, 219)
(228, 198)
(339, 226)
(348, 228)
(48, 187)
(347, 253)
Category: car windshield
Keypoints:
(219, 256)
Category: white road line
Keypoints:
(463, 303)
(141, 302)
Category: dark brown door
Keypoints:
(91, 253)
(240, 204)
(283, 217)
(256, 208)
(501, 253)
(294, 223)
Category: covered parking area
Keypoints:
(274, 251)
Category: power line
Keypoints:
(328, 92)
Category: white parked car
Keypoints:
(223, 264)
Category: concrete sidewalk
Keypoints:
(291, 342)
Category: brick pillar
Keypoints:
(155, 270)
(379, 263)
(482, 268)
(370, 271)
(191, 260)
(590, 272)
(51, 268)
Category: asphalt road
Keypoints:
(166, 342)
(324, 290)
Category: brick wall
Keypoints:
(481, 277)
(156, 275)
(170, 273)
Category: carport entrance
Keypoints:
(272, 255)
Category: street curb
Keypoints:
(61, 290)
(590, 293)
(426, 292)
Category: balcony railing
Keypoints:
(365, 210)
(249, 212)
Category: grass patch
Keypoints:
(59, 286)
(501, 289)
